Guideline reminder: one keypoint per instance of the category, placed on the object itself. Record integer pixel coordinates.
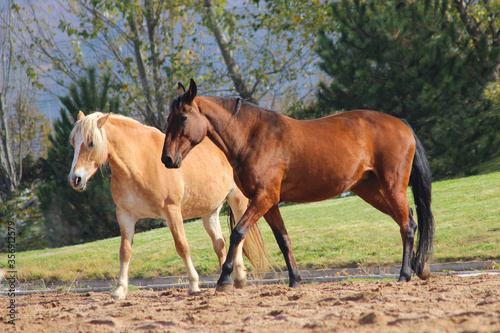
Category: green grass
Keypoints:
(329, 234)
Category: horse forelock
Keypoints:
(90, 132)
(176, 102)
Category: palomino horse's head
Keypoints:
(186, 126)
(91, 148)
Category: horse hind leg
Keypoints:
(275, 221)
(238, 204)
(394, 204)
(212, 226)
(408, 231)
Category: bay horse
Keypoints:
(276, 158)
(142, 187)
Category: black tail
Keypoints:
(420, 181)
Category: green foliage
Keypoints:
(273, 45)
(146, 45)
(72, 217)
(22, 210)
(411, 60)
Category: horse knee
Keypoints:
(409, 228)
(125, 251)
(411, 221)
(182, 249)
(237, 236)
(220, 251)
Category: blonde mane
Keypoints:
(91, 133)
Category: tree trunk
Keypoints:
(232, 67)
(152, 18)
(149, 116)
(7, 163)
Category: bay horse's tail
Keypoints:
(420, 181)
(253, 248)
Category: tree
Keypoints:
(412, 60)
(8, 168)
(30, 130)
(480, 20)
(137, 43)
(18, 117)
(234, 70)
(150, 45)
(72, 217)
(268, 50)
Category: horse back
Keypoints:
(327, 156)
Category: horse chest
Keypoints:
(136, 201)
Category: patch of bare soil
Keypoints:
(440, 304)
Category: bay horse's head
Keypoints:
(91, 148)
(186, 126)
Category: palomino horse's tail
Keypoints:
(253, 248)
(420, 181)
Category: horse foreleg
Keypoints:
(127, 224)
(175, 224)
(274, 219)
(257, 208)
(211, 223)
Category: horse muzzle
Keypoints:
(171, 163)
(77, 182)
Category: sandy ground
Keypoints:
(440, 304)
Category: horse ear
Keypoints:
(80, 116)
(191, 93)
(102, 120)
(180, 89)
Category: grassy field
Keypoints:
(334, 233)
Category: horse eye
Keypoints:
(183, 119)
(91, 144)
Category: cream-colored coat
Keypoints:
(142, 187)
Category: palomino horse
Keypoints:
(276, 158)
(142, 187)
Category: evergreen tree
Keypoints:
(411, 60)
(73, 217)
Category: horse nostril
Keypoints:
(167, 160)
(78, 181)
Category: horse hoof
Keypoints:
(224, 287)
(240, 283)
(194, 292)
(294, 281)
(426, 273)
(404, 278)
(119, 293)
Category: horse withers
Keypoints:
(142, 187)
(276, 158)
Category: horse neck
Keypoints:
(121, 147)
(235, 134)
(226, 131)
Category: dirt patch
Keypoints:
(442, 303)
